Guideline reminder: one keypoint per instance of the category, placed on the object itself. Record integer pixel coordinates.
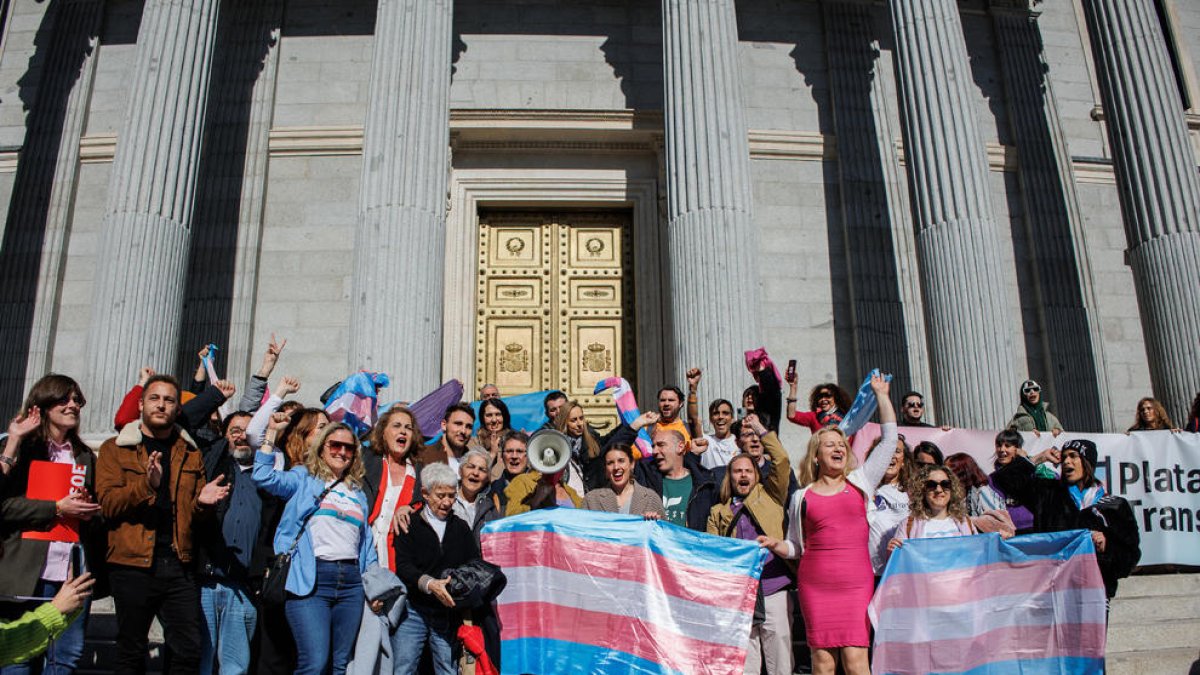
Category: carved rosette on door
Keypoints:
(554, 300)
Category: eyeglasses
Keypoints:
(1030, 390)
(931, 485)
(341, 447)
(914, 404)
(824, 394)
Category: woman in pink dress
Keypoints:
(828, 531)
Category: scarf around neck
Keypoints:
(1038, 413)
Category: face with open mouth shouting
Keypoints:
(619, 468)
(832, 453)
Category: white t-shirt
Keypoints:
(937, 528)
(336, 525)
(719, 451)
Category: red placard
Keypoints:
(53, 481)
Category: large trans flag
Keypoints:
(591, 592)
(980, 605)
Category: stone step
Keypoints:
(1161, 635)
(1152, 608)
(1154, 585)
(1178, 661)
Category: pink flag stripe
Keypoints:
(619, 633)
(618, 561)
(1015, 642)
(626, 598)
(960, 586)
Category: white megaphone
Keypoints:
(549, 451)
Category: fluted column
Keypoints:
(712, 243)
(966, 302)
(1159, 186)
(223, 276)
(884, 290)
(143, 257)
(39, 217)
(396, 320)
(1072, 341)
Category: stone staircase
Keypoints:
(1154, 629)
(1154, 626)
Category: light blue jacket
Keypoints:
(301, 490)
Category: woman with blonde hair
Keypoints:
(325, 532)
(1151, 415)
(828, 530)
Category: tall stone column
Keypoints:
(969, 322)
(1072, 341)
(1160, 190)
(143, 259)
(34, 248)
(889, 330)
(399, 246)
(712, 242)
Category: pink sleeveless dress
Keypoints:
(835, 577)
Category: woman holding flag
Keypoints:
(828, 530)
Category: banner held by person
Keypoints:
(1158, 472)
(627, 408)
(1032, 604)
(596, 592)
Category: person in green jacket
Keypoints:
(31, 634)
(1034, 414)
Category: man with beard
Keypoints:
(750, 442)
(228, 565)
(688, 491)
(670, 402)
(151, 488)
(457, 426)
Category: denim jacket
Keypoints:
(301, 490)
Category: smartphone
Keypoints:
(791, 371)
(76, 560)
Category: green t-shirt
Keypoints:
(676, 493)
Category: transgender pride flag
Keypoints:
(592, 592)
(1031, 605)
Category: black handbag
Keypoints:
(274, 584)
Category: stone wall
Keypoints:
(604, 55)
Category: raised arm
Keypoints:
(695, 423)
(876, 465)
(282, 484)
(256, 428)
(252, 398)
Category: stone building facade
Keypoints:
(545, 192)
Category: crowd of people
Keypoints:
(265, 537)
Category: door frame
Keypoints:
(552, 190)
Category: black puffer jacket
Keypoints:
(1054, 510)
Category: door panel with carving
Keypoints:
(554, 300)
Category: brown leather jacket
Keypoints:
(127, 500)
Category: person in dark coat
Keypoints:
(687, 489)
(1076, 501)
(436, 540)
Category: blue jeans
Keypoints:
(325, 622)
(62, 655)
(421, 626)
(229, 619)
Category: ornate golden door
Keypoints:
(554, 302)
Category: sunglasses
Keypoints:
(73, 398)
(914, 404)
(824, 394)
(1030, 390)
(931, 485)
(341, 447)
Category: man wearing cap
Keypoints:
(1076, 501)
(1034, 414)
